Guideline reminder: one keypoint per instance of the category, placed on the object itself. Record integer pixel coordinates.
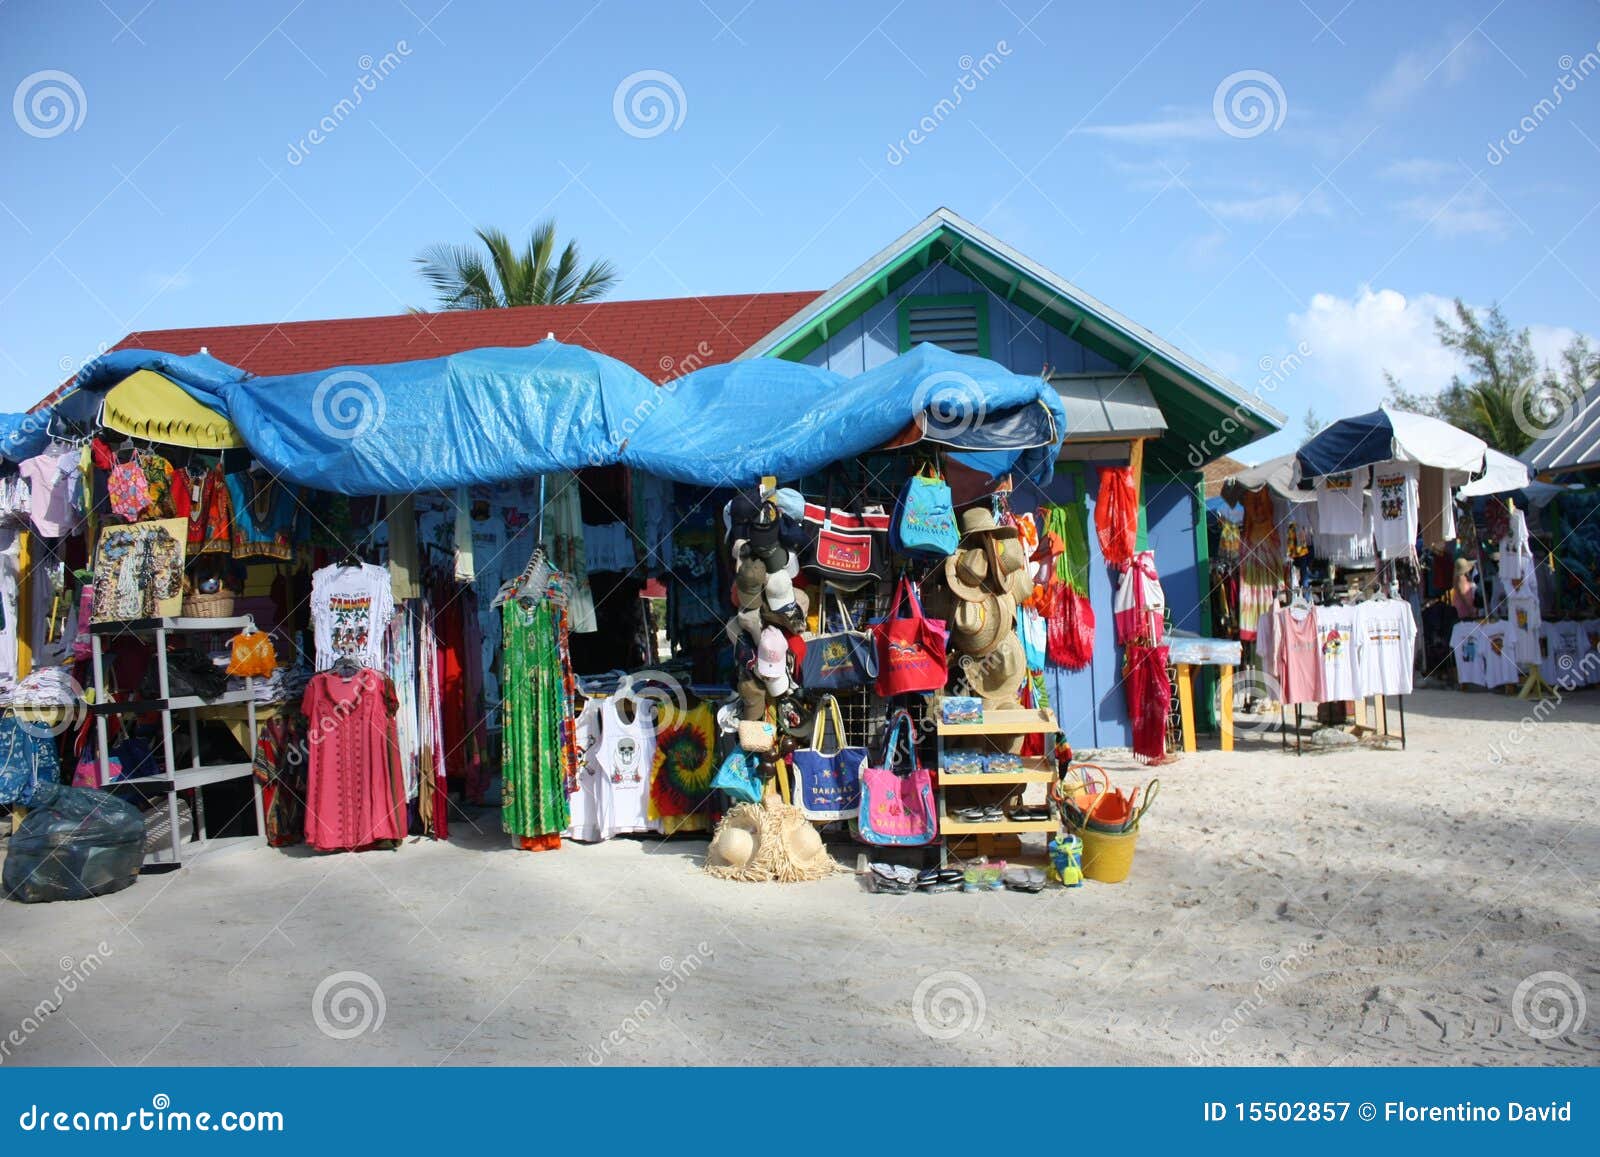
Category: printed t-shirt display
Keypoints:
(52, 484)
(1589, 651)
(1299, 657)
(624, 755)
(1385, 646)
(1468, 644)
(350, 610)
(1337, 650)
(1394, 508)
(1499, 654)
(1561, 654)
(1527, 628)
(1341, 503)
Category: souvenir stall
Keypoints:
(863, 599)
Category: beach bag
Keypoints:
(757, 736)
(841, 661)
(828, 783)
(250, 653)
(897, 808)
(911, 651)
(737, 776)
(26, 760)
(927, 521)
(846, 549)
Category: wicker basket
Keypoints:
(217, 606)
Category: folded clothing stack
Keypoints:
(47, 687)
(271, 688)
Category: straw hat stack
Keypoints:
(987, 577)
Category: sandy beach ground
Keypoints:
(1365, 907)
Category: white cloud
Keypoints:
(1352, 341)
(1419, 171)
(1171, 125)
(1468, 212)
(1272, 207)
(1446, 61)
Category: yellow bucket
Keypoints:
(1107, 857)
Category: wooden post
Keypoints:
(1225, 705)
(24, 624)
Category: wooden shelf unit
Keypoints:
(1035, 769)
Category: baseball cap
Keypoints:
(771, 654)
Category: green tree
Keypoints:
(498, 275)
(1504, 397)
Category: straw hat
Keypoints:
(1012, 566)
(737, 843)
(804, 855)
(966, 573)
(979, 626)
(996, 677)
(1464, 566)
(979, 520)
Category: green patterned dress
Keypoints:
(538, 720)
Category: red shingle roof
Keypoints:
(661, 339)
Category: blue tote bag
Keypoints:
(828, 783)
(926, 524)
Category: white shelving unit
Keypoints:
(175, 779)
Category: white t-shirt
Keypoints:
(1499, 655)
(1386, 637)
(1468, 645)
(1522, 612)
(350, 610)
(52, 486)
(586, 803)
(1394, 509)
(1589, 651)
(1341, 503)
(625, 756)
(1336, 640)
(1562, 650)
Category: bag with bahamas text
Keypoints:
(841, 660)
(897, 807)
(827, 783)
(847, 549)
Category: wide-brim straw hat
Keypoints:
(979, 625)
(997, 677)
(967, 574)
(979, 520)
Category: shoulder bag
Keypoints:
(911, 651)
(846, 549)
(828, 783)
(897, 808)
(842, 660)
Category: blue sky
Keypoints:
(182, 188)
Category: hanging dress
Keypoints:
(539, 752)
(355, 792)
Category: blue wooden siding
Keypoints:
(1017, 340)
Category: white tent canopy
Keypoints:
(1502, 474)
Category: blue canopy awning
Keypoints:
(498, 414)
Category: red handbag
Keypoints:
(911, 651)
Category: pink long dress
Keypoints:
(355, 795)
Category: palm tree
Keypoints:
(464, 278)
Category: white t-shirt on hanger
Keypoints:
(586, 803)
(626, 755)
(1522, 612)
(1341, 503)
(1467, 644)
(350, 610)
(1499, 656)
(1386, 637)
(1336, 641)
(1394, 509)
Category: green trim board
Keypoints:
(979, 302)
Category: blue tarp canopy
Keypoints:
(497, 414)
(25, 435)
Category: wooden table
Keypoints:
(1187, 652)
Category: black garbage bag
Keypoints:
(74, 843)
(189, 672)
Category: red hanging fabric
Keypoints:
(1149, 692)
(1116, 514)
